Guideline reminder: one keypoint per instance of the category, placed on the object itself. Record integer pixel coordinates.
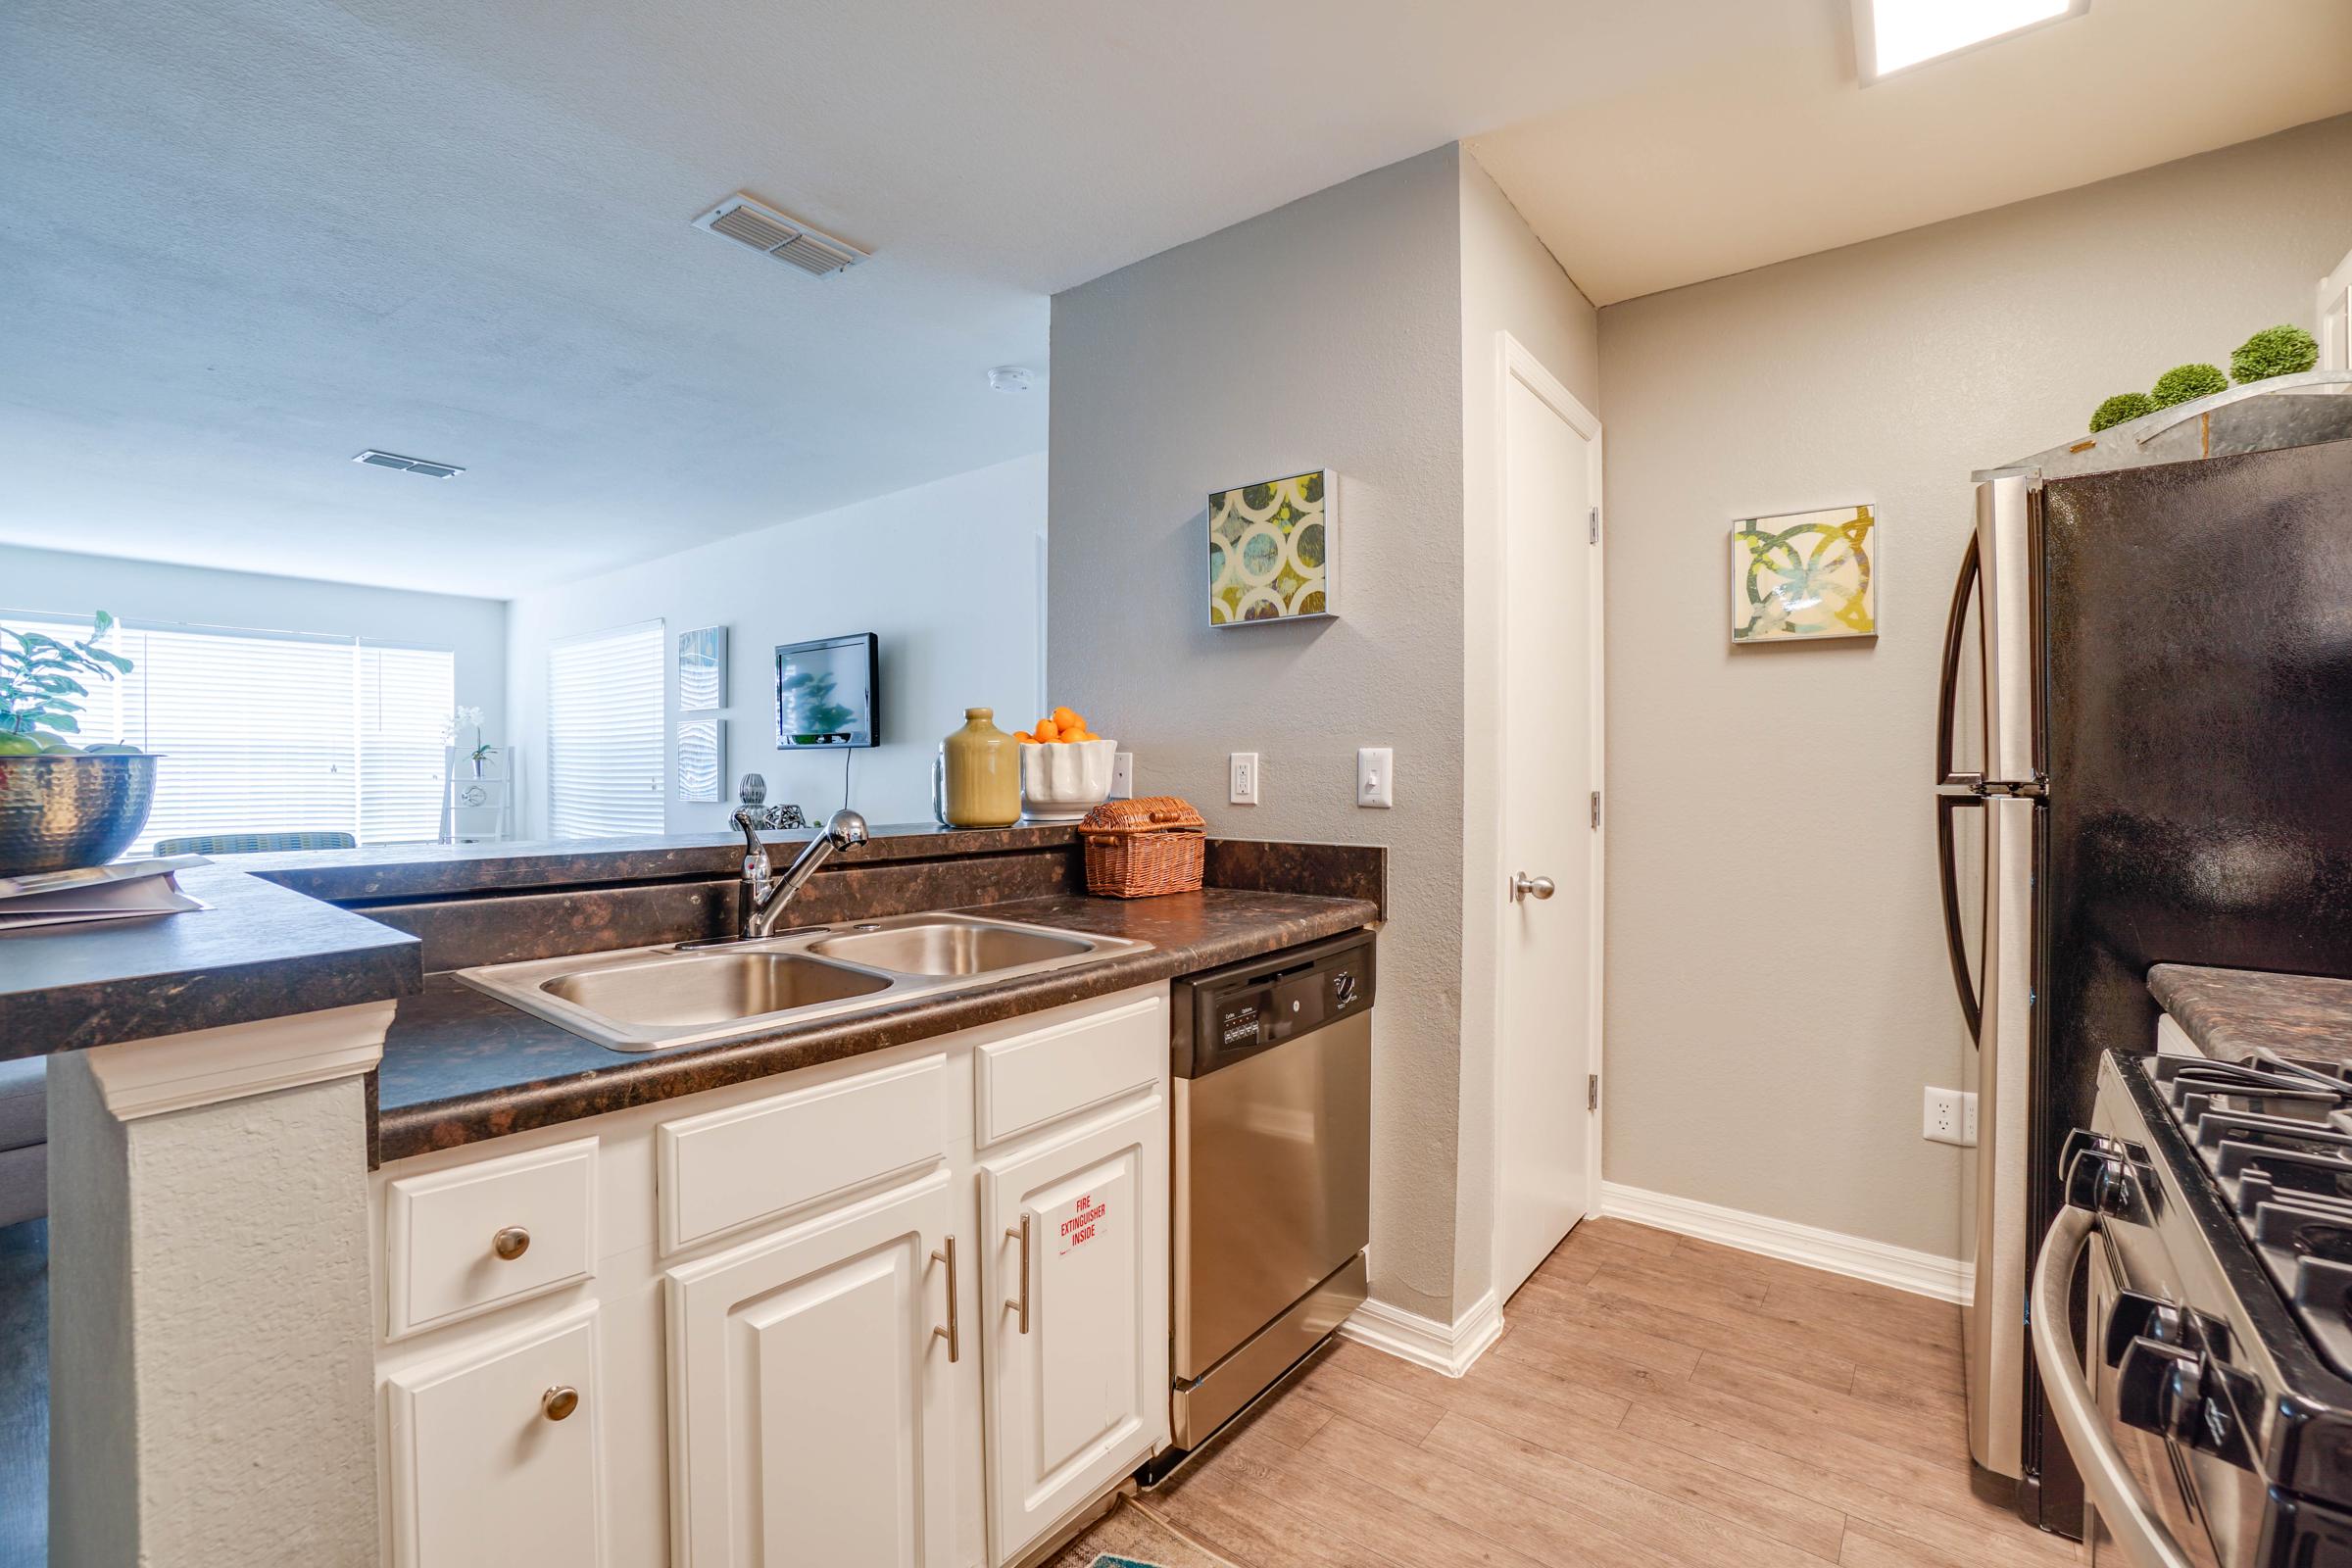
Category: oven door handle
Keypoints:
(2124, 1509)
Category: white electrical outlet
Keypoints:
(1122, 775)
(1951, 1117)
(1374, 785)
(1244, 766)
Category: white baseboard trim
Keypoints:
(1946, 1279)
(1447, 1347)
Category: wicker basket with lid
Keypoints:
(1144, 848)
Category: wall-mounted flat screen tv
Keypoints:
(825, 693)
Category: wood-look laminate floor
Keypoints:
(1654, 1401)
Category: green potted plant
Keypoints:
(62, 804)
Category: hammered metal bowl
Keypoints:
(62, 812)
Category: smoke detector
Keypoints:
(772, 233)
(393, 459)
(1011, 378)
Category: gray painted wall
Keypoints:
(1323, 333)
(1778, 994)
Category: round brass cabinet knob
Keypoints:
(559, 1401)
(510, 1243)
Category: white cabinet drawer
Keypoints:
(494, 1456)
(1035, 1078)
(727, 1169)
(475, 1237)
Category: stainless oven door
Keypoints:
(2154, 1467)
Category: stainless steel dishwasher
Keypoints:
(1272, 1071)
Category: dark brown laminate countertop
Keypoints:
(256, 951)
(440, 870)
(460, 1066)
(2231, 1013)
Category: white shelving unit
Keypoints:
(478, 810)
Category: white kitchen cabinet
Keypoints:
(494, 1452)
(810, 1395)
(745, 1285)
(1077, 1293)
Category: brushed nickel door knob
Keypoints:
(1524, 886)
(559, 1401)
(510, 1243)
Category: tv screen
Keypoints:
(825, 693)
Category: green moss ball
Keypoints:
(2274, 350)
(2118, 408)
(2182, 382)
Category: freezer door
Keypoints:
(2006, 614)
(1993, 1323)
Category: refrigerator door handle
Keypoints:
(1948, 694)
(1955, 947)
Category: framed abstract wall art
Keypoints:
(1273, 550)
(1804, 574)
(702, 670)
(702, 760)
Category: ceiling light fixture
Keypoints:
(1011, 378)
(393, 459)
(1891, 35)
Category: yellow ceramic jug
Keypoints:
(984, 773)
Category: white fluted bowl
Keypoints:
(1063, 782)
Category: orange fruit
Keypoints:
(1046, 734)
(1068, 719)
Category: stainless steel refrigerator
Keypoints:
(2144, 755)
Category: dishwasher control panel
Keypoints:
(1229, 1015)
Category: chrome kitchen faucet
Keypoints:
(761, 894)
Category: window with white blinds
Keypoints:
(604, 733)
(273, 732)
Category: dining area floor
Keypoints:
(1655, 1401)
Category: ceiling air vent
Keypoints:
(770, 232)
(393, 459)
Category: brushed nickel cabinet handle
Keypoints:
(1021, 1304)
(952, 1333)
(510, 1243)
(559, 1401)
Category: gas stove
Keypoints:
(2277, 1137)
(2210, 1403)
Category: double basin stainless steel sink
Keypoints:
(649, 999)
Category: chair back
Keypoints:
(254, 843)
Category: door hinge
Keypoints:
(1596, 807)
(1593, 526)
(1593, 1092)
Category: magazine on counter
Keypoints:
(126, 890)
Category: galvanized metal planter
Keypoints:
(59, 812)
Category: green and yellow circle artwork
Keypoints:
(1269, 549)
(1804, 574)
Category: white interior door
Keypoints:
(1548, 1152)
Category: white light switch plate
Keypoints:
(1122, 775)
(1244, 766)
(1374, 784)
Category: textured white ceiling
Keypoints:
(1769, 150)
(242, 239)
